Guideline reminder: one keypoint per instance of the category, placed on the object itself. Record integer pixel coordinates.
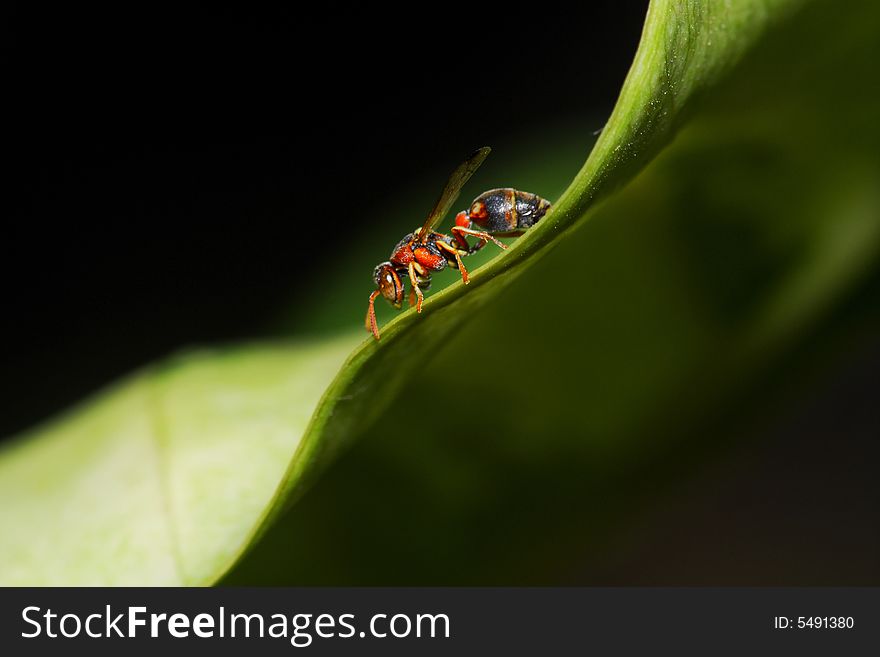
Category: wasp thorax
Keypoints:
(388, 282)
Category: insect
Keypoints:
(503, 212)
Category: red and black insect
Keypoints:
(502, 212)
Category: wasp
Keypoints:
(497, 213)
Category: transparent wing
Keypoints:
(453, 187)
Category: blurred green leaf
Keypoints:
(162, 479)
(171, 475)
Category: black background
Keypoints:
(176, 176)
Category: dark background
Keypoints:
(178, 176)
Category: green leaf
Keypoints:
(164, 478)
(171, 475)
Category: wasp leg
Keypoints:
(455, 252)
(424, 285)
(483, 235)
(476, 247)
(371, 324)
(414, 281)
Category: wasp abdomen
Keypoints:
(507, 210)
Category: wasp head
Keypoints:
(389, 284)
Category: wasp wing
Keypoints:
(453, 187)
